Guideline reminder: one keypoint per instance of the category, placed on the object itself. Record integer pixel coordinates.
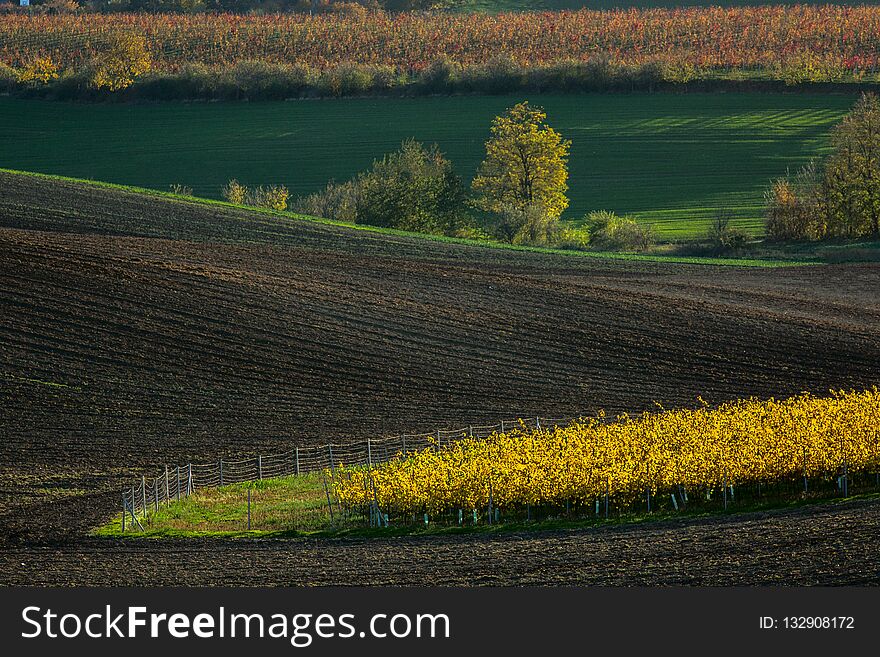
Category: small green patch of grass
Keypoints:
(290, 504)
(291, 507)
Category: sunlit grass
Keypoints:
(673, 159)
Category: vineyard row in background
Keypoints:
(741, 37)
(139, 56)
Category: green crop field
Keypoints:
(669, 159)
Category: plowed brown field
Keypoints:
(137, 331)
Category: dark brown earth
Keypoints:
(818, 545)
(137, 331)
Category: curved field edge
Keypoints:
(637, 257)
(823, 544)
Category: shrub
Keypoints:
(235, 192)
(181, 190)
(647, 76)
(415, 188)
(337, 201)
(345, 80)
(678, 71)
(441, 76)
(576, 238)
(500, 74)
(273, 197)
(615, 233)
(795, 208)
(536, 226)
(8, 77)
(261, 80)
(386, 78)
(597, 73)
(41, 70)
(724, 238)
(72, 85)
(193, 80)
(472, 233)
(126, 59)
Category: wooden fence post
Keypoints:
(369, 453)
(144, 494)
(189, 480)
(296, 454)
(177, 470)
(167, 485)
(260, 468)
(123, 513)
(156, 493)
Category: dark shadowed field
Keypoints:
(137, 331)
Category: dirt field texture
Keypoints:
(138, 331)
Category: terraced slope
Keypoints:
(137, 331)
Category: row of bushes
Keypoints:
(263, 80)
(272, 197)
(416, 189)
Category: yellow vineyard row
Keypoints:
(736, 443)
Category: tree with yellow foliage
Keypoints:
(526, 164)
(127, 58)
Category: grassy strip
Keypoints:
(715, 261)
(292, 507)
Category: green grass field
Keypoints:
(670, 159)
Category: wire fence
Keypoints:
(179, 482)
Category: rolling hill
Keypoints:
(138, 330)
